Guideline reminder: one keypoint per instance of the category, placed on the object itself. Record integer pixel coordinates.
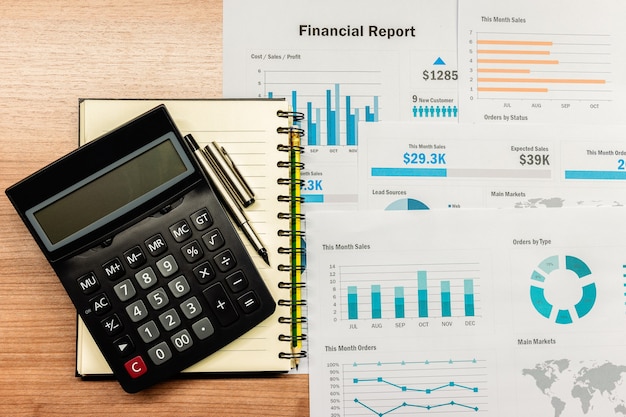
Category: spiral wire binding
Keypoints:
(292, 234)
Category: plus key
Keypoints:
(220, 304)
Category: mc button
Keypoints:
(181, 231)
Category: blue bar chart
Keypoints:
(334, 120)
(428, 291)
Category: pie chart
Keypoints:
(407, 204)
(562, 289)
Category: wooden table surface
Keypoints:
(53, 52)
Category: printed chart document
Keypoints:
(534, 61)
(341, 63)
(403, 166)
(490, 312)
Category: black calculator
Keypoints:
(144, 249)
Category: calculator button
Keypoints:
(136, 367)
(202, 328)
(137, 311)
(225, 260)
(237, 282)
(146, 278)
(248, 302)
(182, 340)
(149, 332)
(88, 283)
(113, 269)
(179, 286)
(191, 308)
(100, 304)
(158, 299)
(204, 273)
(160, 354)
(167, 266)
(221, 304)
(181, 231)
(170, 319)
(112, 325)
(124, 345)
(156, 245)
(125, 290)
(201, 219)
(135, 257)
(192, 251)
(213, 239)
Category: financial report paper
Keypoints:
(489, 312)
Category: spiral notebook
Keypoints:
(261, 138)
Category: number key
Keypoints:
(179, 286)
(191, 308)
(158, 299)
(146, 278)
(137, 311)
(167, 266)
(159, 354)
(170, 319)
(125, 290)
(182, 340)
(149, 332)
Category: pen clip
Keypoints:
(230, 174)
(230, 161)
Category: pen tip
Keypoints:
(263, 254)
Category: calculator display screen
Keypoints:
(110, 192)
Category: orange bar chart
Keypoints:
(542, 66)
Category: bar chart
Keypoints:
(536, 65)
(332, 110)
(442, 290)
(517, 63)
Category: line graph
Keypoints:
(399, 388)
(406, 388)
(408, 405)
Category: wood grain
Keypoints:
(52, 53)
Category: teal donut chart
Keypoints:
(538, 296)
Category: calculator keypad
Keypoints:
(187, 289)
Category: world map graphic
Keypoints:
(572, 387)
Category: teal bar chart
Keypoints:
(438, 292)
(353, 303)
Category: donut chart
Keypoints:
(407, 204)
(545, 272)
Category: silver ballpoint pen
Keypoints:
(230, 173)
(230, 204)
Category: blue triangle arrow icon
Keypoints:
(439, 61)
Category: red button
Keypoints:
(136, 367)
